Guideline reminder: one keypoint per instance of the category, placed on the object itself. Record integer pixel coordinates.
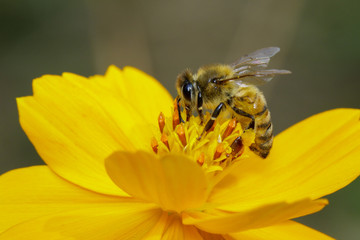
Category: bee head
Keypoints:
(185, 87)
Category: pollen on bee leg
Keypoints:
(154, 145)
(206, 132)
(181, 133)
(212, 127)
(164, 139)
(219, 150)
(161, 121)
(237, 147)
(201, 159)
(230, 128)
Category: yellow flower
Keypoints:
(116, 169)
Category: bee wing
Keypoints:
(251, 68)
(259, 58)
(259, 77)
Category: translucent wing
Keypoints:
(251, 68)
(259, 58)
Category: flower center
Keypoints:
(214, 150)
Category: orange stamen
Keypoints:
(230, 128)
(181, 133)
(154, 145)
(219, 150)
(175, 104)
(164, 139)
(201, 159)
(176, 119)
(161, 121)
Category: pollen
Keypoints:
(230, 128)
(176, 117)
(181, 133)
(164, 140)
(214, 150)
(161, 121)
(219, 150)
(154, 145)
(201, 159)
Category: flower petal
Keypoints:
(173, 181)
(176, 230)
(159, 228)
(142, 91)
(75, 123)
(282, 231)
(169, 226)
(222, 223)
(101, 222)
(309, 160)
(32, 192)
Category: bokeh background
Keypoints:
(319, 41)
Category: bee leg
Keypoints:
(214, 115)
(199, 107)
(179, 109)
(245, 114)
(188, 112)
(251, 124)
(237, 147)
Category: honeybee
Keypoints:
(232, 88)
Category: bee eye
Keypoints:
(187, 90)
(214, 80)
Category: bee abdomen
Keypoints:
(263, 133)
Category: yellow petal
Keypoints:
(159, 228)
(100, 222)
(309, 160)
(75, 123)
(255, 218)
(169, 227)
(36, 191)
(173, 181)
(175, 230)
(142, 91)
(283, 231)
(210, 236)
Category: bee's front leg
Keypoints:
(214, 115)
(187, 109)
(178, 108)
(188, 112)
(199, 107)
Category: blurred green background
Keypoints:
(319, 41)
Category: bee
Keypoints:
(232, 88)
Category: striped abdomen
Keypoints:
(263, 133)
(251, 104)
